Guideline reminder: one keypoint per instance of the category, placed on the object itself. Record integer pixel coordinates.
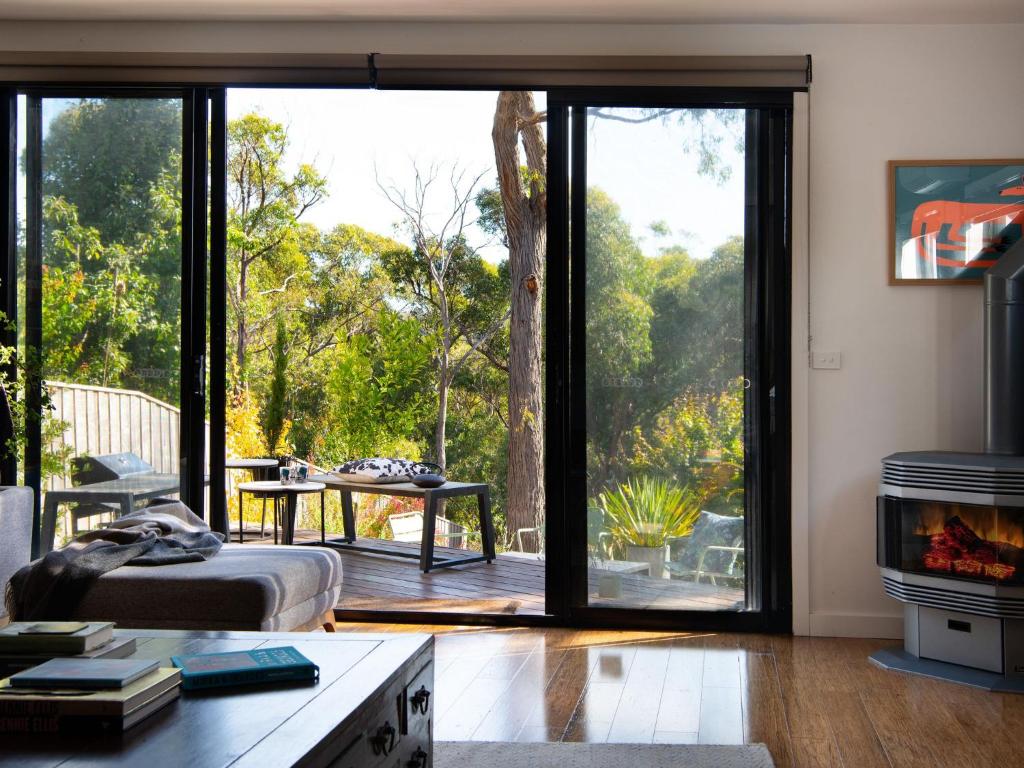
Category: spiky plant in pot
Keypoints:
(643, 513)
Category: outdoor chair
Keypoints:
(599, 541)
(408, 526)
(713, 550)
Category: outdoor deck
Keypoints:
(511, 584)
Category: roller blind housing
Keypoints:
(385, 70)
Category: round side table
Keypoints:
(274, 489)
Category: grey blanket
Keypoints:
(51, 587)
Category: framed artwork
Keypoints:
(950, 220)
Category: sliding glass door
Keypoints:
(670, 509)
(382, 298)
(577, 298)
(105, 260)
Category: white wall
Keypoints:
(911, 374)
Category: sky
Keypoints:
(357, 137)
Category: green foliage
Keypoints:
(105, 321)
(269, 264)
(13, 406)
(647, 511)
(104, 156)
(698, 441)
(618, 331)
(112, 245)
(377, 391)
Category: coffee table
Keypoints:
(375, 694)
(431, 497)
(274, 489)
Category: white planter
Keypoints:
(653, 556)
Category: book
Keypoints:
(118, 648)
(88, 711)
(34, 636)
(261, 665)
(83, 673)
(67, 701)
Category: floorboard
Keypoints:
(813, 701)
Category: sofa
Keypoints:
(243, 587)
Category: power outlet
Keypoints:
(826, 360)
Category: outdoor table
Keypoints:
(259, 469)
(275, 489)
(431, 497)
(124, 492)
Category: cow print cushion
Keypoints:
(379, 470)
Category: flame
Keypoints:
(966, 540)
(987, 522)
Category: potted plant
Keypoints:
(644, 513)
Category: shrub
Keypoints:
(646, 511)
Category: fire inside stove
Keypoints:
(971, 542)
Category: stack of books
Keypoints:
(25, 644)
(78, 693)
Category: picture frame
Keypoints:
(950, 220)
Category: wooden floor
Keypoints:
(509, 585)
(813, 701)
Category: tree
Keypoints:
(274, 413)
(441, 274)
(618, 344)
(105, 155)
(112, 244)
(265, 205)
(375, 390)
(524, 206)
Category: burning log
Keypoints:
(960, 550)
(960, 534)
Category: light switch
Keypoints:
(827, 360)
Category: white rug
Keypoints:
(498, 754)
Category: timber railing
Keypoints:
(102, 420)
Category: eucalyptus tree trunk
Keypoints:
(523, 198)
(443, 380)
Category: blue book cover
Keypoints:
(261, 665)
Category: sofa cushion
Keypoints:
(240, 587)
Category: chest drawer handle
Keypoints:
(420, 700)
(419, 759)
(384, 741)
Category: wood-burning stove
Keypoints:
(951, 525)
(951, 548)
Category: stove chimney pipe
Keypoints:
(1004, 353)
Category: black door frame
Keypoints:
(194, 199)
(766, 363)
(772, 338)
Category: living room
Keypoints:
(850, 351)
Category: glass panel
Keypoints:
(109, 208)
(371, 278)
(665, 358)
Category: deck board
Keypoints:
(511, 584)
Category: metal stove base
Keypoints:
(901, 661)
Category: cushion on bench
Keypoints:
(250, 587)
